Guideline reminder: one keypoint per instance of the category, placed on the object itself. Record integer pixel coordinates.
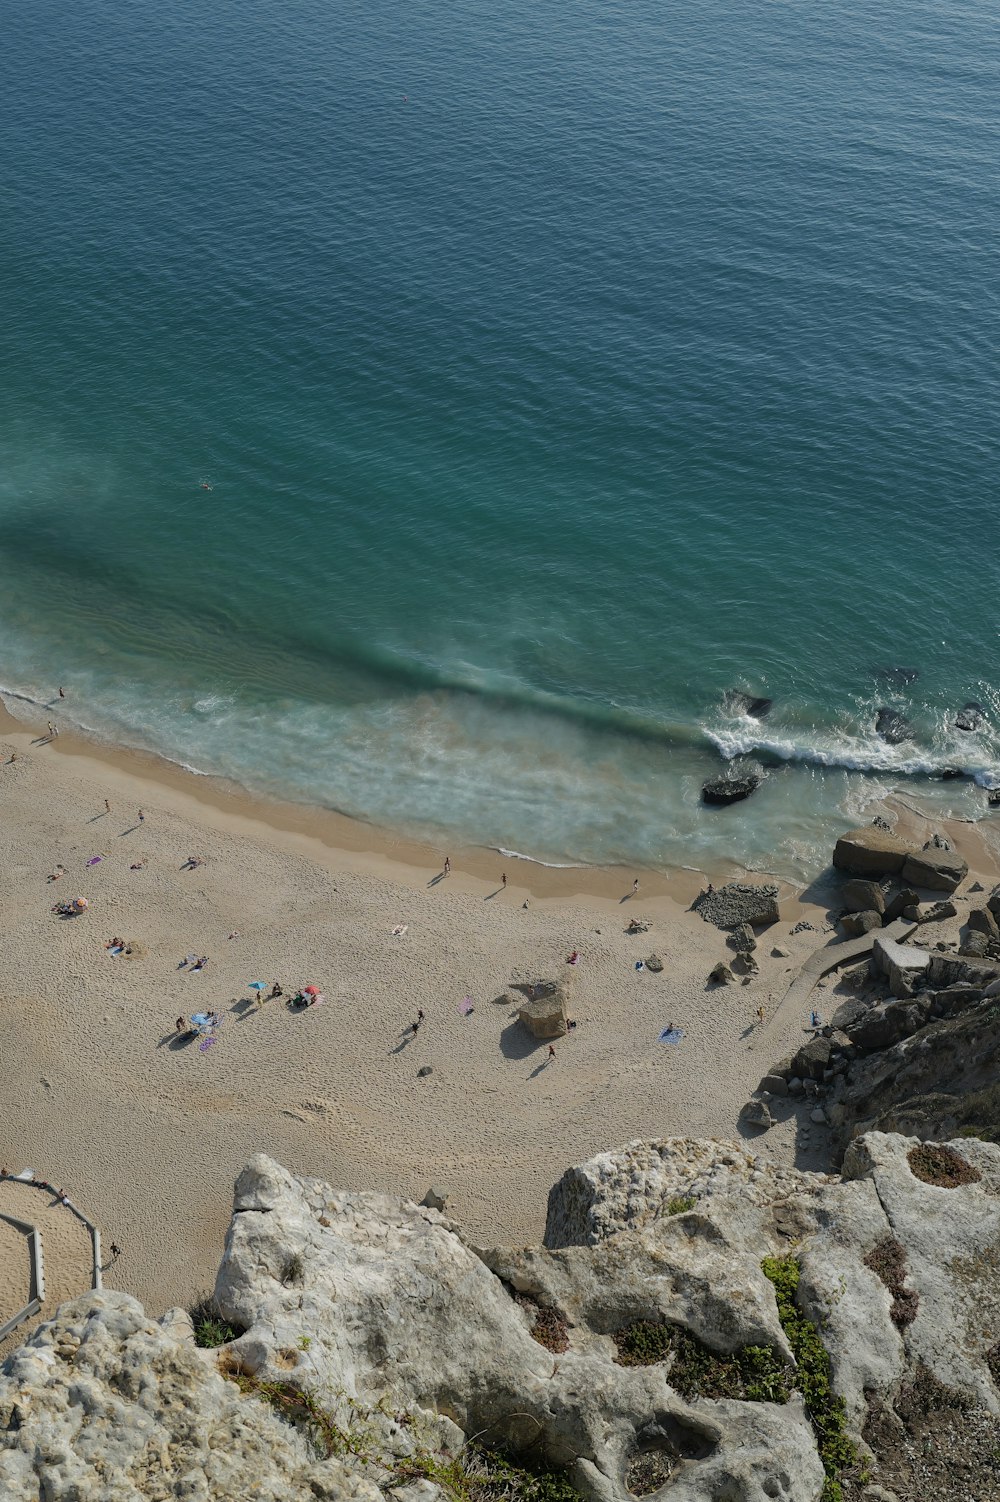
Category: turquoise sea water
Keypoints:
(555, 369)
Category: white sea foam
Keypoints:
(517, 855)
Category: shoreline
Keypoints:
(333, 838)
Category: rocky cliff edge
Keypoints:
(698, 1326)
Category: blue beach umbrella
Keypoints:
(670, 1035)
(257, 985)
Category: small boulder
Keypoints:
(993, 903)
(983, 921)
(435, 1198)
(818, 1116)
(745, 964)
(780, 953)
(756, 1114)
(654, 963)
(743, 939)
(898, 905)
(812, 1059)
(774, 1084)
(860, 896)
(721, 975)
(941, 870)
(856, 924)
(939, 910)
(545, 1016)
(974, 945)
(424, 1071)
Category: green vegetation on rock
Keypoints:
(754, 1373)
(211, 1328)
(812, 1378)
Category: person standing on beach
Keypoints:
(635, 887)
(142, 817)
(52, 729)
(107, 806)
(116, 1251)
(760, 1016)
(61, 694)
(447, 865)
(503, 878)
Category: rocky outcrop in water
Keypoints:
(970, 716)
(723, 790)
(893, 727)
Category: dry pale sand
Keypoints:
(147, 1136)
(66, 1247)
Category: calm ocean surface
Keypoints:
(555, 369)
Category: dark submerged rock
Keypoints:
(970, 716)
(899, 677)
(737, 702)
(893, 727)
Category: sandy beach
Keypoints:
(147, 1133)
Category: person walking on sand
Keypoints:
(107, 806)
(551, 1054)
(116, 1251)
(447, 865)
(142, 817)
(503, 878)
(420, 1014)
(635, 887)
(52, 728)
(760, 1016)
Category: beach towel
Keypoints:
(670, 1035)
(465, 1006)
(206, 1044)
(94, 859)
(400, 929)
(639, 965)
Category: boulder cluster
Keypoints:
(915, 1046)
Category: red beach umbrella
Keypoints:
(311, 990)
